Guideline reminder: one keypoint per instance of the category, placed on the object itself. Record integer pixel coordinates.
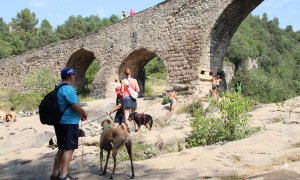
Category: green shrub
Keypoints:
(148, 91)
(92, 72)
(42, 80)
(231, 124)
(165, 100)
(26, 101)
(6, 96)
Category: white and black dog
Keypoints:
(142, 119)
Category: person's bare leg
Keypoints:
(8, 118)
(136, 127)
(66, 159)
(116, 125)
(57, 162)
(126, 113)
(124, 126)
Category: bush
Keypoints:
(165, 100)
(42, 80)
(92, 72)
(148, 91)
(231, 124)
(26, 101)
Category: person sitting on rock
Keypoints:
(2, 114)
(11, 115)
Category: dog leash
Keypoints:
(110, 117)
(94, 120)
(82, 150)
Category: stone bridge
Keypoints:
(189, 36)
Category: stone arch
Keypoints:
(136, 61)
(80, 61)
(225, 27)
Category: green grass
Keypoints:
(155, 84)
(6, 98)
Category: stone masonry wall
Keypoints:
(190, 37)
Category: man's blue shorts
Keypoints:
(67, 136)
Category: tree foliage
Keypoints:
(23, 33)
(277, 53)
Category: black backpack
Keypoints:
(49, 111)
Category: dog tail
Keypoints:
(151, 123)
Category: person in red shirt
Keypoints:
(132, 12)
(128, 103)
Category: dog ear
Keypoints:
(102, 123)
(106, 121)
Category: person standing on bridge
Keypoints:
(128, 103)
(123, 15)
(132, 12)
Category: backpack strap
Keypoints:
(56, 91)
(126, 79)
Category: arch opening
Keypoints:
(223, 31)
(148, 69)
(86, 67)
(225, 27)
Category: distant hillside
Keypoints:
(277, 52)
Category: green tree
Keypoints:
(46, 34)
(276, 51)
(25, 30)
(5, 46)
(25, 21)
(78, 25)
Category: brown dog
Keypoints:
(113, 140)
(142, 119)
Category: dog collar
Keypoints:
(106, 126)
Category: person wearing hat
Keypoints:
(67, 131)
(119, 117)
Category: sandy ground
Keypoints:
(273, 153)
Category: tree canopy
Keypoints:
(277, 52)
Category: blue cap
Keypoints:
(67, 72)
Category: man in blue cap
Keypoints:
(67, 131)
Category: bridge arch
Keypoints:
(137, 60)
(80, 61)
(224, 29)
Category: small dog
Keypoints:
(142, 119)
(53, 142)
(113, 140)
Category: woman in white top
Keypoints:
(128, 103)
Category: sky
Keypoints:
(58, 11)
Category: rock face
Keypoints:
(190, 37)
